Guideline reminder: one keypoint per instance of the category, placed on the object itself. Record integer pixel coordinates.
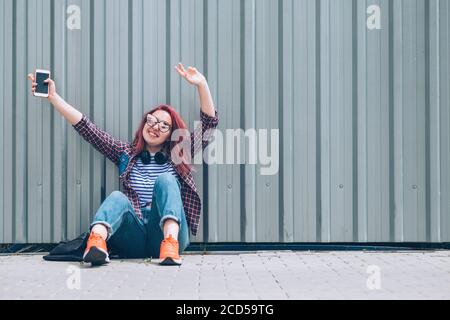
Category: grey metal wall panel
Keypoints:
(20, 120)
(434, 117)
(336, 132)
(441, 99)
(2, 112)
(299, 120)
(261, 95)
(371, 109)
(363, 114)
(224, 73)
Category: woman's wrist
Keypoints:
(53, 98)
(202, 84)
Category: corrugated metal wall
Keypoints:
(364, 115)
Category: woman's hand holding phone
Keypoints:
(51, 86)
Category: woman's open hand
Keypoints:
(51, 86)
(194, 77)
(191, 75)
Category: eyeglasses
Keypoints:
(163, 126)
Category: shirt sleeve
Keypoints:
(203, 133)
(101, 140)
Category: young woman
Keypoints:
(159, 203)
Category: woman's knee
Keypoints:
(118, 198)
(117, 195)
(113, 207)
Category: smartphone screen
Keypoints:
(41, 87)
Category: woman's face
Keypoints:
(158, 128)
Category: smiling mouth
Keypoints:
(152, 134)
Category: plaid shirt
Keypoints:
(120, 152)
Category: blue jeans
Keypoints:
(131, 237)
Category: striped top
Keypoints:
(143, 177)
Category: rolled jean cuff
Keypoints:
(168, 216)
(105, 224)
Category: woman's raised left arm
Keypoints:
(202, 134)
(193, 76)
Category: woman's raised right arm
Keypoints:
(101, 140)
(70, 113)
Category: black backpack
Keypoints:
(69, 250)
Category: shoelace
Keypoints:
(96, 238)
(172, 243)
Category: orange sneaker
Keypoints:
(168, 253)
(96, 251)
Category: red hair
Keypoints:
(177, 123)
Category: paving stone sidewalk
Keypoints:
(235, 276)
